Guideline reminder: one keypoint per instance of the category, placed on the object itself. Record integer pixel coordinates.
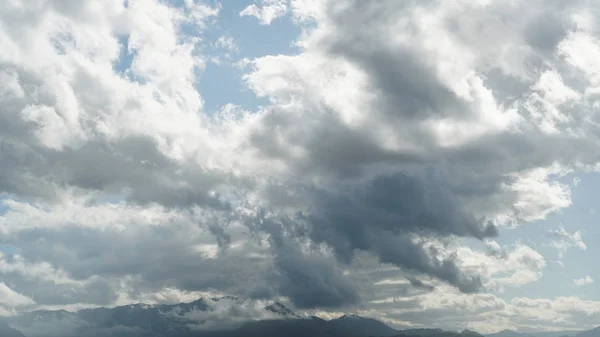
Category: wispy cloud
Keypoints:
(267, 11)
(564, 240)
(583, 281)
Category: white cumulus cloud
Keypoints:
(583, 281)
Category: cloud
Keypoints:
(227, 43)
(420, 284)
(380, 218)
(12, 300)
(515, 266)
(564, 240)
(310, 282)
(104, 254)
(63, 138)
(268, 11)
(487, 313)
(583, 281)
(396, 130)
(445, 149)
(225, 313)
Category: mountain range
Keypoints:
(220, 317)
(564, 333)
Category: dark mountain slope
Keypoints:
(7, 331)
(362, 326)
(590, 333)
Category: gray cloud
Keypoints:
(382, 216)
(372, 197)
(312, 282)
(371, 144)
(420, 284)
(146, 258)
(133, 164)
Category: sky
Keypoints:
(425, 163)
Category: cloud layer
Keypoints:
(396, 130)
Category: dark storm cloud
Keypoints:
(375, 199)
(381, 216)
(309, 279)
(312, 282)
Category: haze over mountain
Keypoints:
(570, 333)
(210, 317)
(511, 333)
(161, 320)
(425, 163)
(215, 317)
(218, 317)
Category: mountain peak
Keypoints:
(468, 332)
(355, 324)
(506, 333)
(281, 310)
(199, 301)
